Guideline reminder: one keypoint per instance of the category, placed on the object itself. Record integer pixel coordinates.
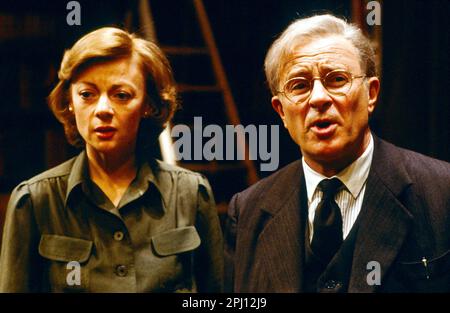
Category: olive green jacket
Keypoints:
(62, 233)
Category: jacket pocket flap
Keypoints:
(176, 240)
(66, 249)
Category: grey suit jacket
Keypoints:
(405, 217)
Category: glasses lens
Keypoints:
(297, 88)
(338, 82)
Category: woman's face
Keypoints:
(108, 103)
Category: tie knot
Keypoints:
(329, 187)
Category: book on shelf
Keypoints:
(14, 27)
(55, 147)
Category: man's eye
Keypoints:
(300, 85)
(337, 80)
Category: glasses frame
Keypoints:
(322, 80)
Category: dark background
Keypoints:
(413, 111)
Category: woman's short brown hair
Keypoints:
(108, 44)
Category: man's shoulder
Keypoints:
(426, 164)
(274, 184)
(416, 164)
(403, 170)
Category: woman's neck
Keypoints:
(112, 173)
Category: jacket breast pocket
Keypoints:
(175, 241)
(67, 262)
(174, 257)
(427, 275)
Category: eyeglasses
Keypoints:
(337, 82)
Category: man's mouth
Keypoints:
(323, 124)
(323, 128)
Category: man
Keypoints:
(355, 214)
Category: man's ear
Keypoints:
(374, 90)
(278, 106)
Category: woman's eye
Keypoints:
(122, 96)
(86, 95)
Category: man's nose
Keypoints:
(104, 107)
(319, 97)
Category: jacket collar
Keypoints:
(285, 189)
(383, 221)
(282, 239)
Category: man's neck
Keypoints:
(333, 167)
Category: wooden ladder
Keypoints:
(148, 12)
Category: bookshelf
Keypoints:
(27, 60)
(33, 37)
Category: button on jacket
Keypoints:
(63, 234)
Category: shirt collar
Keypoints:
(150, 172)
(79, 175)
(353, 176)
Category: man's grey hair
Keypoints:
(302, 31)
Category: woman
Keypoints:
(112, 219)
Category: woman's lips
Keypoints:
(105, 132)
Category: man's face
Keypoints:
(331, 129)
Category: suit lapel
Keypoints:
(282, 239)
(383, 224)
(384, 220)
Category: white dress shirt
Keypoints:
(350, 198)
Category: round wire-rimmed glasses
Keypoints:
(337, 82)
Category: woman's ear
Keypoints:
(147, 110)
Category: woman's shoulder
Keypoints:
(162, 166)
(45, 180)
(41, 183)
(184, 175)
(59, 171)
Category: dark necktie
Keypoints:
(327, 225)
